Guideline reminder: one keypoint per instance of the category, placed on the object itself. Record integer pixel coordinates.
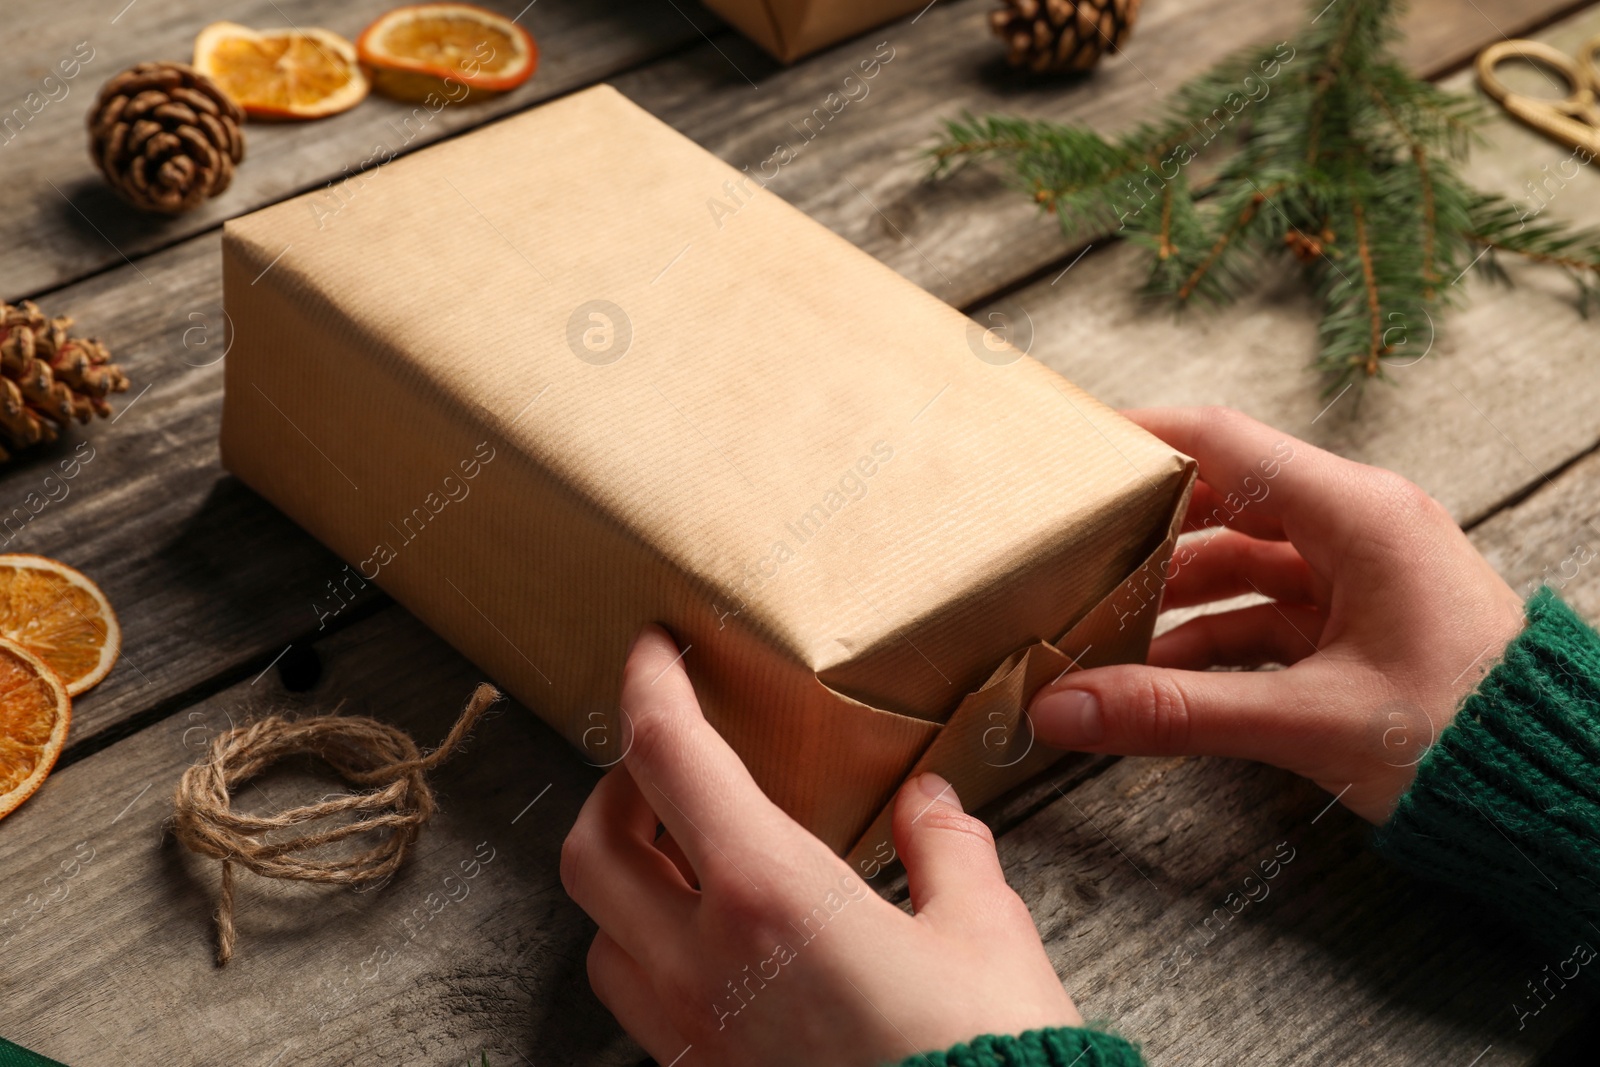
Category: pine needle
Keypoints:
(1332, 153)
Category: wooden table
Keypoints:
(1122, 861)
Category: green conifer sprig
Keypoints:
(1325, 149)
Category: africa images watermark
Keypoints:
(52, 490)
(1540, 995)
(325, 206)
(1146, 186)
(53, 88)
(1582, 555)
(1254, 889)
(343, 588)
(334, 998)
(744, 987)
(1143, 589)
(852, 90)
(1540, 195)
(851, 486)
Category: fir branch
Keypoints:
(1429, 220)
(1226, 241)
(1330, 151)
(1331, 65)
(1423, 114)
(1419, 157)
(1166, 248)
(1496, 225)
(1370, 284)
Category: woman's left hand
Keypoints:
(737, 937)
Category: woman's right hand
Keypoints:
(1383, 613)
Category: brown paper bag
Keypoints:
(531, 385)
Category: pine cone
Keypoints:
(1049, 35)
(165, 136)
(48, 378)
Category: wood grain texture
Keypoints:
(1138, 882)
(1129, 875)
(1552, 538)
(209, 581)
(1344, 962)
(63, 221)
(212, 583)
(1506, 392)
(959, 241)
(117, 968)
(862, 172)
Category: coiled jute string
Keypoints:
(363, 751)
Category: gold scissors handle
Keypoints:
(1575, 120)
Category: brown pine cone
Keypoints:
(1051, 35)
(49, 378)
(165, 136)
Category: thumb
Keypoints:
(1133, 710)
(949, 856)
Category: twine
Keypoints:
(364, 751)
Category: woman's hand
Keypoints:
(1384, 614)
(736, 937)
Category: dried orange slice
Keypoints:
(60, 616)
(452, 51)
(281, 74)
(35, 712)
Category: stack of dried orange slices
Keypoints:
(58, 638)
(421, 52)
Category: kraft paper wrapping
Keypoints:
(790, 29)
(988, 745)
(531, 384)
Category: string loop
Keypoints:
(365, 752)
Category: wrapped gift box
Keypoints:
(570, 374)
(790, 29)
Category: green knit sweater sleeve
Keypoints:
(1067, 1046)
(1506, 805)
(17, 1056)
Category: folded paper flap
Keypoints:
(988, 745)
(951, 619)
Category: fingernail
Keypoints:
(1067, 718)
(936, 788)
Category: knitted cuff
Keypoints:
(1067, 1046)
(17, 1056)
(1506, 805)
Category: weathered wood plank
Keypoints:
(960, 241)
(210, 581)
(112, 964)
(1337, 960)
(63, 222)
(1138, 883)
(389, 1022)
(1507, 393)
(862, 171)
(1553, 538)
(207, 578)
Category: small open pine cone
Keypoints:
(49, 378)
(165, 136)
(1050, 35)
